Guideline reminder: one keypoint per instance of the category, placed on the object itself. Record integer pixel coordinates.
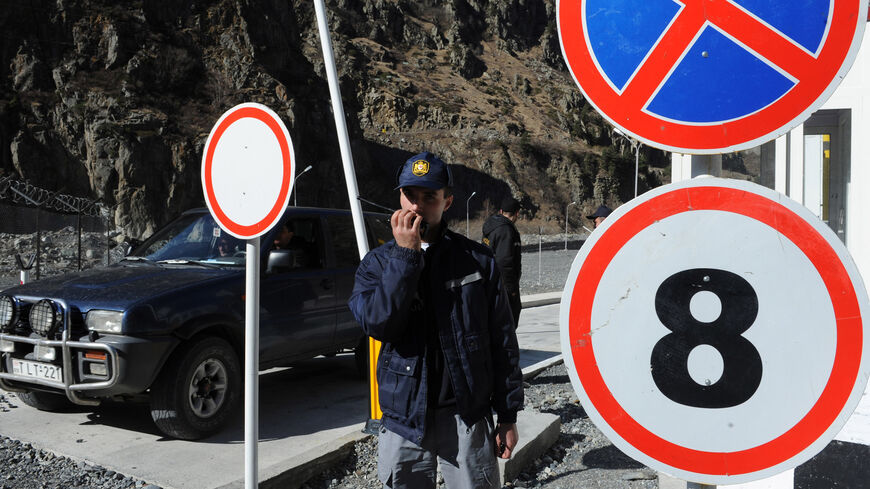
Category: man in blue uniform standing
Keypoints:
(599, 215)
(450, 355)
(500, 234)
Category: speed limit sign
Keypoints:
(713, 330)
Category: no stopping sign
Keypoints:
(713, 330)
(709, 76)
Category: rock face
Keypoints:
(114, 100)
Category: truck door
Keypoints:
(297, 313)
(346, 260)
(343, 244)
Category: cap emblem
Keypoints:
(420, 168)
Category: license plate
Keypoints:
(37, 370)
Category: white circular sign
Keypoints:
(713, 330)
(248, 169)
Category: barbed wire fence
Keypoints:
(52, 232)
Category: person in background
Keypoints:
(227, 246)
(599, 215)
(223, 247)
(284, 237)
(450, 356)
(304, 254)
(501, 234)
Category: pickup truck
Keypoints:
(166, 324)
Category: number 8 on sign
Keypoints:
(670, 356)
(713, 330)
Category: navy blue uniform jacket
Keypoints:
(474, 323)
(502, 236)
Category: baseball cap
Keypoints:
(602, 211)
(510, 204)
(424, 170)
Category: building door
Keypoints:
(826, 168)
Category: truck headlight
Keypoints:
(7, 312)
(104, 321)
(44, 318)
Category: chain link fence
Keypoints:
(51, 233)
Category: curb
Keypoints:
(296, 471)
(538, 432)
(533, 370)
(544, 299)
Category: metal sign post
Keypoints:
(341, 128)
(352, 192)
(252, 359)
(248, 169)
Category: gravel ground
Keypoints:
(545, 271)
(28, 467)
(581, 457)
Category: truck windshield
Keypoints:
(193, 237)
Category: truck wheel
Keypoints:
(197, 390)
(44, 401)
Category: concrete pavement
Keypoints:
(310, 415)
(300, 408)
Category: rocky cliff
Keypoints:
(114, 100)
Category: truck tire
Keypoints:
(197, 391)
(44, 401)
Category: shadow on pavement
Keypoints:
(551, 379)
(127, 416)
(312, 396)
(610, 457)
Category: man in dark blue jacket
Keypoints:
(450, 355)
(500, 234)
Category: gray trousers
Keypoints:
(466, 455)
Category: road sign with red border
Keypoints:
(709, 76)
(248, 168)
(713, 330)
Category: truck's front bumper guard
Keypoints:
(67, 347)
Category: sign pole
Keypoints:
(341, 128)
(247, 180)
(352, 191)
(252, 358)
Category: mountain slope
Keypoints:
(114, 100)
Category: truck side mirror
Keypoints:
(279, 261)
